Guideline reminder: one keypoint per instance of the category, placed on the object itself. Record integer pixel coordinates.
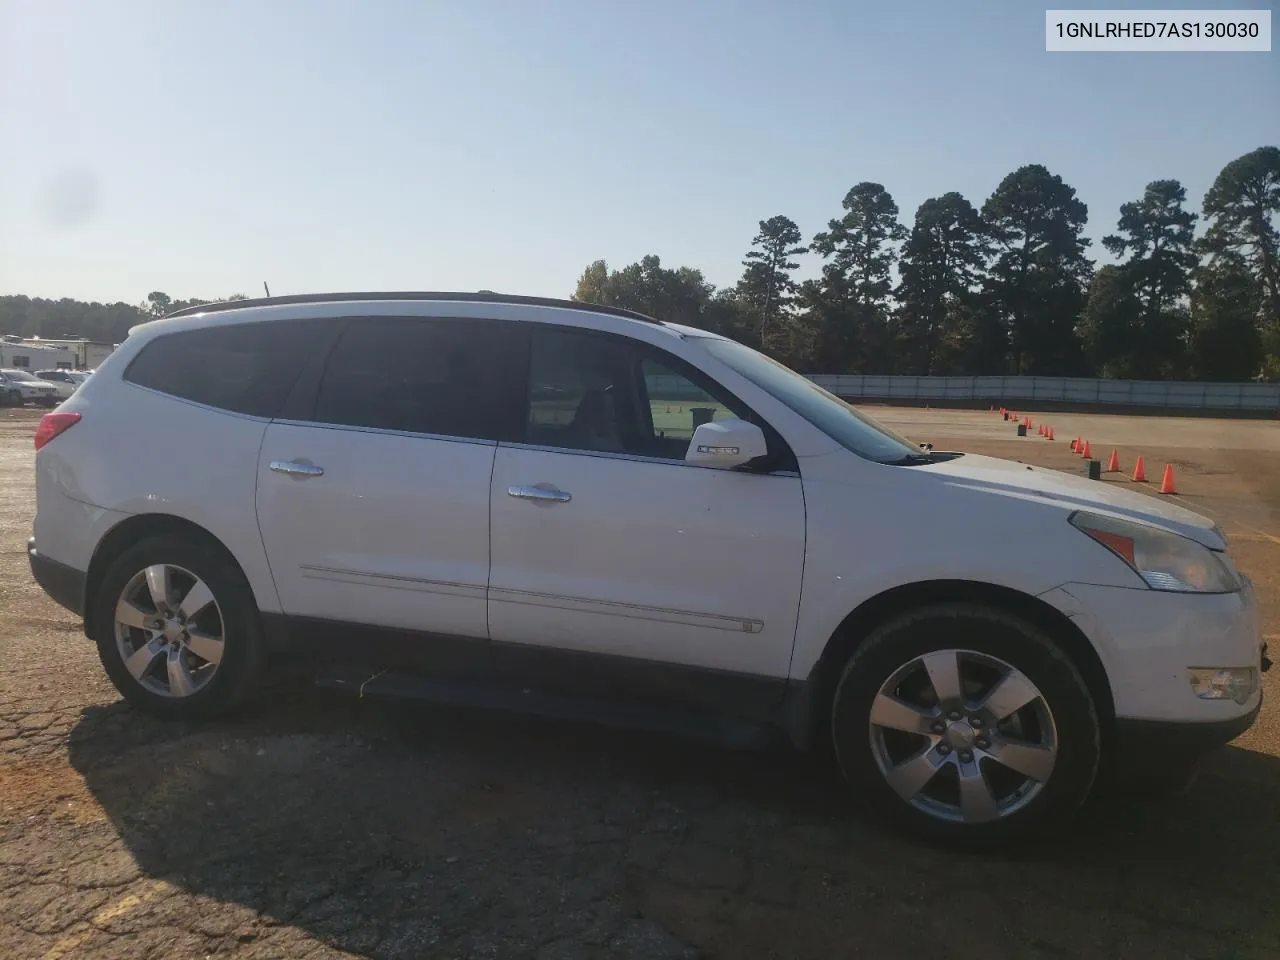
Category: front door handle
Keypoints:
(295, 469)
(539, 492)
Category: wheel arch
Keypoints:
(139, 527)
(809, 710)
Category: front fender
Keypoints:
(878, 528)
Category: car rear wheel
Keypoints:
(966, 724)
(177, 629)
(14, 398)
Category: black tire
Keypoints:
(241, 665)
(997, 634)
(14, 398)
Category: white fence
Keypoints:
(1000, 390)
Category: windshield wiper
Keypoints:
(910, 459)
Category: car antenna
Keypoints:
(266, 288)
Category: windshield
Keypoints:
(19, 375)
(842, 423)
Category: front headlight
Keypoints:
(1165, 561)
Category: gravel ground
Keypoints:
(317, 825)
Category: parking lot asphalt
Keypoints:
(319, 825)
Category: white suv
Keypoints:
(66, 382)
(580, 510)
(19, 386)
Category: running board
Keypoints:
(674, 721)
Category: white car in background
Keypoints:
(19, 387)
(67, 381)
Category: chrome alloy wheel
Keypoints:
(963, 736)
(169, 630)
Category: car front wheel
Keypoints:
(966, 724)
(177, 629)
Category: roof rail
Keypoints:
(483, 297)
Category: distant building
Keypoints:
(30, 355)
(38, 353)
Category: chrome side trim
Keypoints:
(316, 425)
(600, 454)
(632, 611)
(393, 582)
(607, 455)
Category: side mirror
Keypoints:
(725, 444)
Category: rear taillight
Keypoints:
(52, 424)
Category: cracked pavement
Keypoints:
(317, 825)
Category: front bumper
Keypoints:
(64, 584)
(1147, 641)
(1156, 750)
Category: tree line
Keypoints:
(1004, 289)
(1007, 288)
(73, 319)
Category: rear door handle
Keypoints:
(539, 492)
(295, 469)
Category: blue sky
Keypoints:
(201, 148)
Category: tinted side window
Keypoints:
(447, 377)
(609, 394)
(677, 406)
(246, 367)
(578, 391)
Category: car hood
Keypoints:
(1011, 479)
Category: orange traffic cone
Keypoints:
(1166, 483)
(1086, 452)
(1075, 444)
(1026, 422)
(1139, 472)
(1049, 435)
(1113, 465)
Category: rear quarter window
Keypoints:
(247, 368)
(443, 377)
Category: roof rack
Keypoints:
(411, 295)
